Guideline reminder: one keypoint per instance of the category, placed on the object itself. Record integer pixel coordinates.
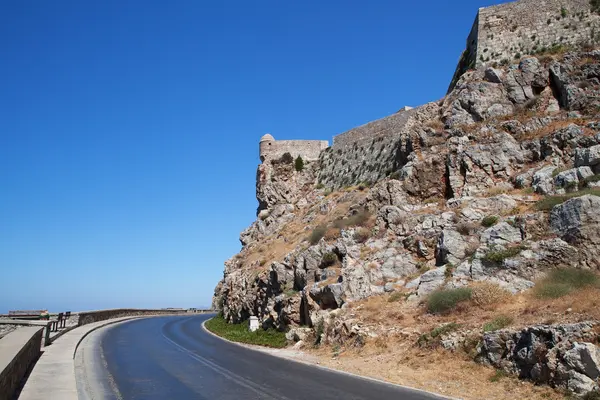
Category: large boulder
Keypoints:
(502, 234)
(431, 280)
(589, 157)
(526, 82)
(329, 296)
(577, 221)
(560, 355)
(452, 247)
(472, 102)
(543, 182)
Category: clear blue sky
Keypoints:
(129, 129)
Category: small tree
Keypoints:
(299, 164)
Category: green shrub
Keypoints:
(317, 234)
(442, 330)
(500, 322)
(432, 339)
(396, 296)
(549, 202)
(498, 375)
(361, 235)
(498, 256)
(561, 282)
(447, 299)
(563, 12)
(395, 175)
(576, 278)
(320, 185)
(358, 219)
(329, 259)
(449, 270)
(241, 333)
(591, 179)
(594, 395)
(551, 290)
(490, 220)
(299, 164)
(595, 4)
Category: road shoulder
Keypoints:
(306, 359)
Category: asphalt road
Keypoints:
(174, 358)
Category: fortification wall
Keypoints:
(307, 149)
(379, 128)
(528, 26)
(372, 151)
(505, 32)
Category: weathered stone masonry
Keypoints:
(507, 31)
(271, 149)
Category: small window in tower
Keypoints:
(270, 144)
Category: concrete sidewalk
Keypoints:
(53, 376)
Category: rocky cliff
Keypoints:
(498, 182)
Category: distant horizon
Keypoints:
(4, 313)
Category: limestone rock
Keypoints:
(431, 280)
(589, 157)
(451, 247)
(475, 101)
(577, 221)
(501, 234)
(558, 354)
(543, 181)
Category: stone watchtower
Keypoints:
(271, 149)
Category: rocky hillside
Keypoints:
(497, 184)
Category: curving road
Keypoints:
(174, 358)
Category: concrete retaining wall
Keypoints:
(18, 351)
(87, 317)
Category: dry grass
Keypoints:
(389, 358)
(276, 246)
(332, 234)
(488, 295)
(555, 126)
(394, 356)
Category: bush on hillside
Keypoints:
(498, 256)
(359, 219)
(329, 259)
(361, 235)
(500, 322)
(549, 202)
(561, 282)
(486, 294)
(490, 220)
(299, 164)
(317, 234)
(444, 300)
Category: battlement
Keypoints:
(506, 32)
(309, 150)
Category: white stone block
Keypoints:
(253, 324)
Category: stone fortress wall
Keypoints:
(505, 32)
(309, 150)
(379, 128)
(501, 34)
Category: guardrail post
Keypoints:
(47, 335)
